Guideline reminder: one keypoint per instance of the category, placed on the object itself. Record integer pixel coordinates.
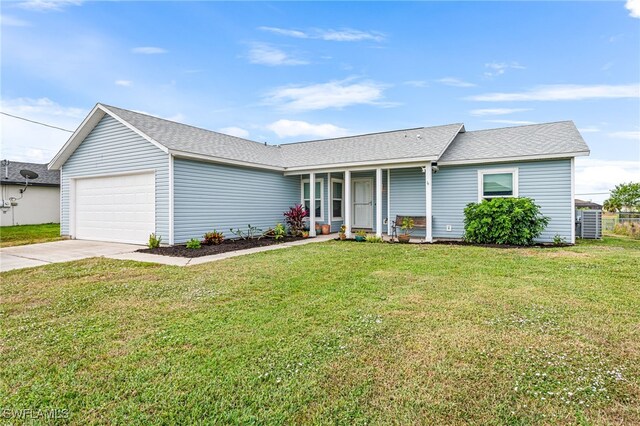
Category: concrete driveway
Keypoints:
(59, 251)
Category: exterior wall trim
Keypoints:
(573, 201)
(363, 165)
(515, 159)
(171, 201)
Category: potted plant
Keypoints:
(326, 229)
(361, 235)
(318, 228)
(343, 232)
(406, 227)
(305, 234)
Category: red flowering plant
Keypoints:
(295, 219)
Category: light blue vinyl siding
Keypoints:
(112, 148)
(547, 182)
(210, 196)
(408, 195)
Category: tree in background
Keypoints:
(625, 196)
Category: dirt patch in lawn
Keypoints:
(225, 247)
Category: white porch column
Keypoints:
(428, 180)
(347, 202)
(379, 202)
(312, 204)
(329, 200)
(389, 202)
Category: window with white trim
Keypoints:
(337, 199)
(497, 183)
(306, 193)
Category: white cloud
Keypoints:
(334, 94)
(416, 83)
(633, 135)
(285, 32)
(265, 54)
(564, 92)
(48, 5)
(455, 82)
(25, 141)
(633, 6)
(499, 68)
(350, 35)
(10, 21)
(589, 129)
(497, 111)
(235, 131)
(289, 128)
(123, 83)
(149, 50)
(600, 176)
(345, 34)
(513, 122)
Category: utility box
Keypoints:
(589, 224)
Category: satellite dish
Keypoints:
(28, 174)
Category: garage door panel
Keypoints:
(115, 208)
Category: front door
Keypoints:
(362, 203)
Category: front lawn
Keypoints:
(29, 234)
(331, 333)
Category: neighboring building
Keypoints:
(40, 203)
(587, 205)
(126, 174)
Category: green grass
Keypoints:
(29, 234)
(339, 333)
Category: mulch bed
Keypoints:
(504, 246)
(466, 243)
(226, 246)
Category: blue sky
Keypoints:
(282, 72)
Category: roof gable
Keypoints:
(447, 144)
(546, 140)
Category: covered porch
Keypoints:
(368, 198)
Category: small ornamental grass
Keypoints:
(514, 221)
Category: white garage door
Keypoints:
(115, 208)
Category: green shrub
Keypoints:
(373, 239)
(194, 243)
(559, 240)
(154, 242)
(279, 232)
(515, 221)
(213, 238)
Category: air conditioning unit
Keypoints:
(589, 224)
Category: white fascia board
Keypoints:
(566, 155)
(213, 159)
(385, 164)
(89, 122)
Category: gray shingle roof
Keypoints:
(182, 137)
(445, 143)
(46, 177)
(400, 144)
(534, 140)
